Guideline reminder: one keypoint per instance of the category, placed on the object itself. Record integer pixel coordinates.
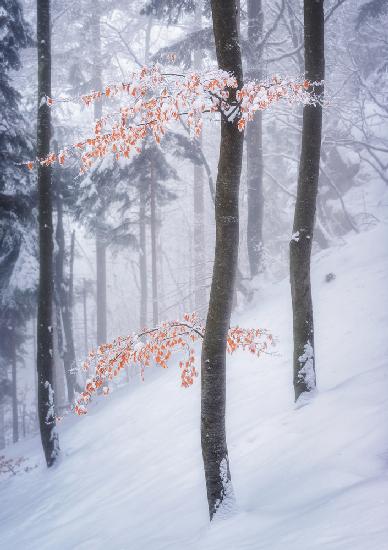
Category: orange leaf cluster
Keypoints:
(156, 99)
(156, 347)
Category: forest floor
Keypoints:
(308, 478)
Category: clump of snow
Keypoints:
(307, 372)
(228, 505)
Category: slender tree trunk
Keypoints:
(45, 293)
(24, 416)
(15, 415)
(101, 288)
(59, 371)
(142, 214)
(2, 426)
(67, 317)
(100, 233)
(155, 304)
(213, 372)
(301, 242)
(199, 203)
(143, 258)
(85, 311)
(64, 320)
(254, 142)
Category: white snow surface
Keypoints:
(307, 478)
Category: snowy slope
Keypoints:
(310, 478)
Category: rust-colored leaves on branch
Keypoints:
(157, 347)
(153, 100)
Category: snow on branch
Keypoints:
(157, 346)
(154, 99)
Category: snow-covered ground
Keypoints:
(307, 478)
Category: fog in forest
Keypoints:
(134, 230)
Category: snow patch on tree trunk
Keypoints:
(307, 372)
(225, 506)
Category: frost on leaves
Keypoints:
(159, 346)
(154, 99)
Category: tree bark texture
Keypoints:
(213, 361)
(254, 143)
(305, 207)
(45, 292)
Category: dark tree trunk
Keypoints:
(143, 258)
(213, 384)
(301, 242)
(155, 304)
(45, 293)
(15, 415)
(254, 138)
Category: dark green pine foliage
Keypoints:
(16, 201)
(15, 145)
(171, 10)
(371, 10)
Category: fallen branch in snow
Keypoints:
(14, 466)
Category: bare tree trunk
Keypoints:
(254, 138)
(101, 288)
(67, 316)
(45, 293)
(63, 297)
(100, 233)
(15, 415)
(2, 426)
(59, 371)
(142, 215)
(85, 311)
(143, 259)
(24, 416)
(155, 305)
(199, 206)
(304, 217)
(213, 361)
